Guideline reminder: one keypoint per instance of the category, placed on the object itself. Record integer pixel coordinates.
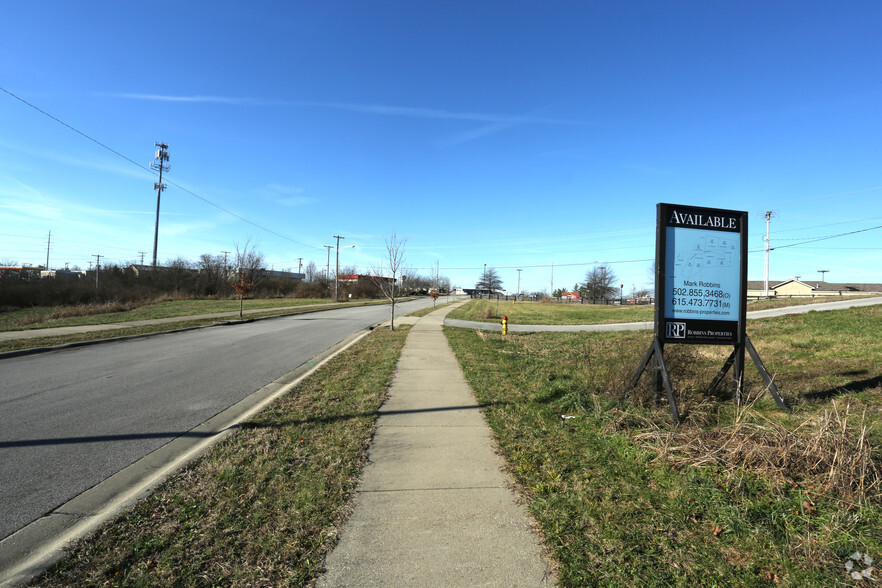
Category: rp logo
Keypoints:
(676, 330)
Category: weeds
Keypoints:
(736, 496)
(63, 312)
(822, 453)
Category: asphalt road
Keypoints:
(69, 419)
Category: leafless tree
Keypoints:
(249, 267)
(387, 274)
(599, 283)
(313, 274)
(212, 274)
(177, 271)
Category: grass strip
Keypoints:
(262, 507)
(184, 323)
(563, 313)
(549, 313)
(44, 317)
(616, 507)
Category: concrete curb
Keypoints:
(32, 549)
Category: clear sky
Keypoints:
(512, 134)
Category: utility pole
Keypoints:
(552, 281)
(328, 268)
(768, 216)
(97, 267)
(822, 272)
(47, 250)
(142, 253)
(299, 264)
(159, 165)
(518, 293)
(337, 272)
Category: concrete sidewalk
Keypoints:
(434, 506)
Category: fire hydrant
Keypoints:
(505, 325)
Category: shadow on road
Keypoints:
(246, 425)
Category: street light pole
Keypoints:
(97, 268)
(337, 271)
(328, 268)
(518, 293)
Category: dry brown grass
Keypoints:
(62, 312)
(826, 452)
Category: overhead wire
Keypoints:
(146, 168)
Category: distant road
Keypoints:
(71, 418)
(755, 314)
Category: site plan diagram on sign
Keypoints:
(705, 252)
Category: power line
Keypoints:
(147, 169)
(827, 237)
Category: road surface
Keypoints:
(69, 419)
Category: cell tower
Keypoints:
(159, 164)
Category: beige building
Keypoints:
(797, 288)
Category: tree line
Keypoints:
(243, 275)
(599, 285)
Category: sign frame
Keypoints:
(698, 266)
(697, 272)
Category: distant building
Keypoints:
(797, 288)
(63, 274)
(571, 296)
(363, 278)
(275, 274)
(20, 272)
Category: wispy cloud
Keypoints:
(286, 195)
(378, 109)
(413, 112)
(191, 99)
(63, 158)
(495, 123)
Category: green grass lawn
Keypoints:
(751, 497)
(747, 496)
(553, 313)
(548, 313)
(262, 507)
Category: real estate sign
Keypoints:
(701, 274)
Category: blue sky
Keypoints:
(512, 134)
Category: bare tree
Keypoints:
(212, 274)
(249, 267)
(313, 274)
(389, 272)
(176, 272)
(599, 282)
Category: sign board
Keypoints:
(701, 275)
